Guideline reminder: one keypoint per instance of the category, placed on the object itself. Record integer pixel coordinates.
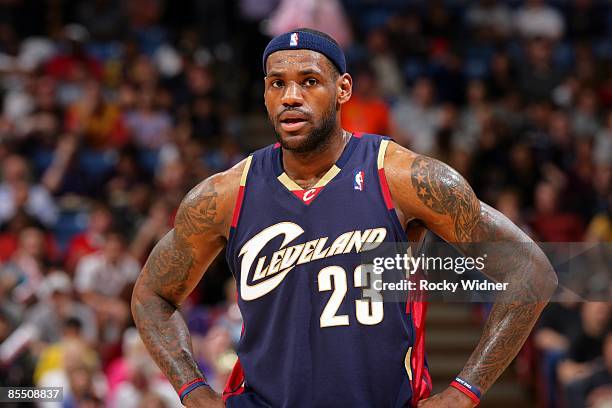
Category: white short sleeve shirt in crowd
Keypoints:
(95, 273)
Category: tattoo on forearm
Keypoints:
(166, 336)
(169, 264)
(518, 262)
(515, 260)
(516, 310)
(444, 191)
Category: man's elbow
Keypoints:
(545, 276)
(136, 299)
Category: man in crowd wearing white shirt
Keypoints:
(104, 281)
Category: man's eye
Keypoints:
(277, 84)
(310, 82)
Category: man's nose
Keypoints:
(292, 95)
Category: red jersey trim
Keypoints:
(240, 198)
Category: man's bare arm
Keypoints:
(428, 190)
(174, 268)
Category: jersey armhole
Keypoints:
(240, 197)
(380, 162)
(384, 185)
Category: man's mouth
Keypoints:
(292, 124)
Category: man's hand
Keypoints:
(203, 397)
(449, 398)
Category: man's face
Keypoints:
(113, 248)
(303, 94)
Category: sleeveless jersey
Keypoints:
(310, 338)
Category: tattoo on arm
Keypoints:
(170, 273)
(530, 281)
(518, 261)
(444, 191)
(198, 213)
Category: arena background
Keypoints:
(113, 110)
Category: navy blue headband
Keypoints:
(303, 40)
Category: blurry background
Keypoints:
(112, 110)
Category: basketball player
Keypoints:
(292, 218)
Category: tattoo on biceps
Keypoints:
(444, 191)
(174, 256)
(198, 212)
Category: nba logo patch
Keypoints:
(358, 180)
(293, 40)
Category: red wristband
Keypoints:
(190, 386)
(468, 389)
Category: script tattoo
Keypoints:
(444, 191)
(163, 283)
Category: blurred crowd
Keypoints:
(112, 110)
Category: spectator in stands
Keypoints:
(104, 281)
(17, 192)
(585, 121)
(489, 19)
(557, 326)
(539, 76)
(171, 182)
(509, 204)
(501, 78)
(38, 128)
(72, 365)
(586, 344)
(92, 239)
(24, 272)
(537, 19)
(73, 57)
(558, 149)
(416, 118)
(384, 64)
(366, 111)
(596, 389)
(103, 19)
(98, 122)
(154, 227)
(473, 116)
(16, 366)
(550, 223)
(148, 126)
(134, 378)
(55, 176)
(58, 306)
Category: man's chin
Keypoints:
(293, 141)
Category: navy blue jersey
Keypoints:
(310, 336)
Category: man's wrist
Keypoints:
(465, 389)
(191, 386)
(202, 397)
(461, 400)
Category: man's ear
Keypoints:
(345, 88)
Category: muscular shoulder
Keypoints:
(208, 207)
(427, 189)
